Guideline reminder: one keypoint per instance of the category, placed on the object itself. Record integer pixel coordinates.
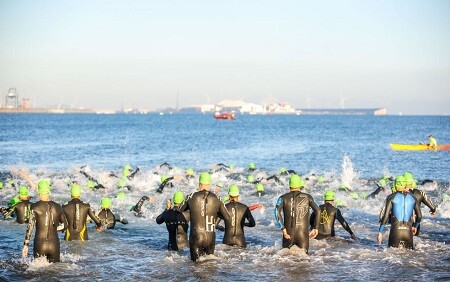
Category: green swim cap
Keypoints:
(1, 185)
(178, 197)
(189, 171)
(400, 183)
(446, 197)
(14, 201)
(340, 203)
(382, 182)
(259, 187)
(409, 179)
(354, 195)
(363, 195)
(163, 178)
(233, 190)
(126, 170)
(105, 203)
(250, 178)
(321, 179)
(90, 184)
(121, 196)
(44, 187)
(329, 195)
(75, 190)
(23, 191)
(342, 186)
(251, 166)
(225, 199)
(231, 166)
(121, 183)
(282, 169)
(296, 181)
(205, 178)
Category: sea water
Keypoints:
(344, 149)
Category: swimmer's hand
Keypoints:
(380, 238)
(100, 228)
(168, 204)
(313, 233)
(60, 227)
(286, 235)
(25, 249)
(414, 230)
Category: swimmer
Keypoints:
(46, 215)
(292, 215)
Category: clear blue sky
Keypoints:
(103, 54)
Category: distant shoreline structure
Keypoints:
(196, 110)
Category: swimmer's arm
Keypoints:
(160, 218)
(316, 209)
(277, 213)
(95, 218)
(223, 212)
(343, 222)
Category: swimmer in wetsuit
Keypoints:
(165, 183)
(76, 212)
(234, 228)
(399, 208)
(137, 209)
(176, 223)
(23, 209)
(10, 211)
(292, 215)
(107, 217)
(328, 215)
(204, 207)
(421, 196)
(46, 215)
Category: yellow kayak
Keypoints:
(417, 147)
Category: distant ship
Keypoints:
(225, 115)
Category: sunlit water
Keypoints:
(347, 150)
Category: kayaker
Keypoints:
(432, 142)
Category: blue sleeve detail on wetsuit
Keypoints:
(381, 229)
(403, 206)
(277, 217)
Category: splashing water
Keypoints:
(348, 173)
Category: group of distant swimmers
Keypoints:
(203, 211)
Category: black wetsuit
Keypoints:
(177, 226)
(204, 208)
(165, 164)
(288, 172)
(76, 213)
(137, 208)
(164, 184)
(328, 215)
(274, 177)
(46, 215)
(421, 197)
(292, 213)
(399, 208)
(109, 220)
(234, 228)
(23, 211)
